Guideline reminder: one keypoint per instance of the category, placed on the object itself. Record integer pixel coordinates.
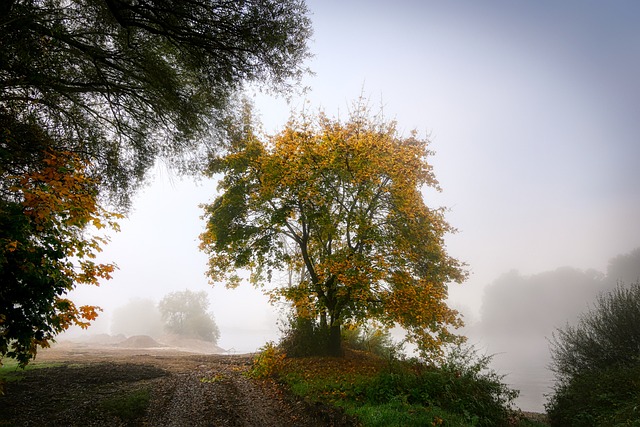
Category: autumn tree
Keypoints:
(46, 251)
(121, 82)
(186, 313)
(341, 203)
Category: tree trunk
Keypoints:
(323, 320)
(334, 346)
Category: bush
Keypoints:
(463, 384)
(604, 397)
(267, 362)
(597, 364)
(372, 340)
(304, 337)
(483, 389)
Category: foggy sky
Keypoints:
(532, 110)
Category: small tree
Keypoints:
(185, 313)
(347, 198)
(46, 251)
(597, 362)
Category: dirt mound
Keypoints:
(140, 341)
(192, 345)
(105, 339)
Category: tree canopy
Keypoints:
(339, 205)
(92, 92)
(121, 82)
(185, 313)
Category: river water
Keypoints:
(534, 385)
(528, 373)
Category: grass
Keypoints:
(124, 403)
(10, 371)
(399, 414)
(382, 392)
(99, 391)
(129, 405)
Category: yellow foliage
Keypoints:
(58, 204)
(61, 197)
(267, 362)
(346, 196)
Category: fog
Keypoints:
(533, 115)
(520, 313)
(138, 317)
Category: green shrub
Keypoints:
(398, 414)
(462, 385)
(304, 337)
(484, 388)
(597, 364)
(603, 397)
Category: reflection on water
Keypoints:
(528, 372)
(240, 341)
(534, 386)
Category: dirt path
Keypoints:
(216, 393)
(183, 390)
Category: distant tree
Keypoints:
(45, 252)
(121, 82)
(530, 306)
(138, 317)
(185, 313)
(624, 268)
(347, 198)
(597, 363)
